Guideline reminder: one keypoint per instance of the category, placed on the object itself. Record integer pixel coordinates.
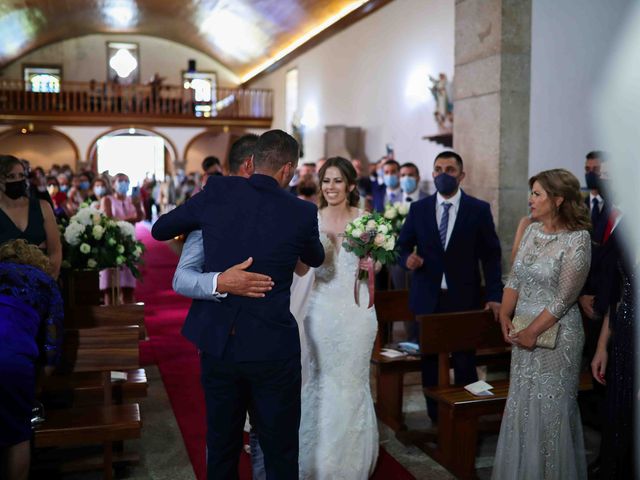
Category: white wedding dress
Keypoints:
(338, 430)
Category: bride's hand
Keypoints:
(367, 263)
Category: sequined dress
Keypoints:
(338, 431)
(31, 314)
(618, 452)
(541, 432)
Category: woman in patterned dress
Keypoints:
(541, 432)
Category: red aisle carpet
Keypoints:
(177, 359)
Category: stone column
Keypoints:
(491, 106)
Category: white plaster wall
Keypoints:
(85, 58)
(360, 77)
(571, 42)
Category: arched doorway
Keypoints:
(138, 152)
(41, 146)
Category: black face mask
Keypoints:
(307, 191)
(15, 190)
(592, 180)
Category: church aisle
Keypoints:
(177, 359)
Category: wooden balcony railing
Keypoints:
(163, 104)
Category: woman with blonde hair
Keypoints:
(31, 315)
(541, 433)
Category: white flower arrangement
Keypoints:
(397, 214)
(91, 240)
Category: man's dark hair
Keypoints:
(209, 162)
(410, 165)
(450, 154)
(392, 162)
(597, 155)
(241, 149)
(275, 149)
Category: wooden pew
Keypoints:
(88, 316)
(391, 306)
(458, 410)
(99, 349)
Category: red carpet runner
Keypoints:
(177, 359)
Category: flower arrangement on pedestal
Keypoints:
(93, 241)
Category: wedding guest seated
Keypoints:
(120, 206)
(24, 216)
(58, 198)
(31, 315)
(100, 188)
(541, 432)
(79, 192)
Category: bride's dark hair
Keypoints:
(349, 175)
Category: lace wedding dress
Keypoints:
(338, 431)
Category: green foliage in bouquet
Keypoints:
(93, 241)
(371, 235)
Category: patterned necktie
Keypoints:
(444, 224)
(595, 212)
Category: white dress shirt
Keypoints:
(189, 279)
(453, 213)
(600, 201)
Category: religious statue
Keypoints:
(440, 89)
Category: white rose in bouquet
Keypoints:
(379, 240)
(389, 243)
(383, 229)
(356, 233)
(97, 231)
(91, 263)
(403, 209)
(85, 216)
(372, 225)
(390, 213)
(127, 229)
(85, 248)
(73, 232)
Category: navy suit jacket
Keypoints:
(591, 286)
(242, 218)
(473, 241)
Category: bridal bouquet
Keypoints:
(396, 214)
(93, 241)
(370, 236)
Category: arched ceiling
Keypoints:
(240, 34)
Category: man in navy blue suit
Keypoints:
(250, 346)
(443, 240)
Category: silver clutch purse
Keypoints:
(546, 339)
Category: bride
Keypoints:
(338, 431)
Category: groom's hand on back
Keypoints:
(237, 281)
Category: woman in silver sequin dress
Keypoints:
(541, 432)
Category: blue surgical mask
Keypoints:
(391, 181)
(85, 185)
(99, 190)
(122, 187)
(446, 184)
(408, 184)
(64, 188)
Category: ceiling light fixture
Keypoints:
(304, 38)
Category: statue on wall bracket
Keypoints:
(441, 91)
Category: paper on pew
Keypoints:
(479, 388)
(390, 353)
(118, 376)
